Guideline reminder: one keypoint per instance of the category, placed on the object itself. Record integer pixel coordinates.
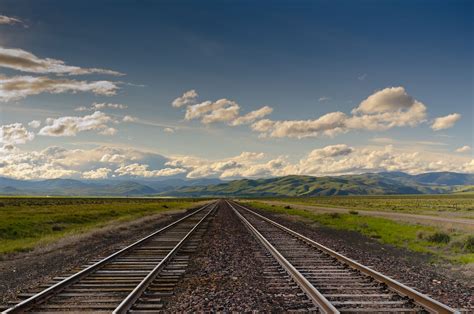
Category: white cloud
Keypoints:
(100, 173)
(463, 149)
(168, 130)
(15, 133)
(17, 87)
(221, 110)
(387, 100)
(101, 106)
(188, 98)
(34, 124)
(324, 98)
(445, 122)
(70, 126)
(361, 160)
(383, 110)
(141, 170)
(54, 162)
(108, 131)
(21, 60)
(129, 119)
(253, 115)
(8, 20)
(329, 124)
(82, 108)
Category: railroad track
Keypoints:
(135, 279)
(332, 281)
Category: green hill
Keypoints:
(364, 184)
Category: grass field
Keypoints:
(27, 222)
(420, 204)
(455, 246)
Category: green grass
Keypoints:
(417, 238)
(27, 222)
(463, 203)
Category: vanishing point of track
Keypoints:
(138, 277)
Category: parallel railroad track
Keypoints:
(334, 282)
(134, 279)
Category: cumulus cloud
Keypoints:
(21, 60)
(222, 110)
(17, 87)
(253, 115)
(8, 20)
(464, 149)
(244, 164)
(56, 162)
(387, 158)
(329, 124)
(129, 119)
(383, 110)
(445, 122)
(15, 133)
(141, 170)
(209, 112)
(188, 98)
(70, 126)
(100, 173)
(101, 162)
(34, 124)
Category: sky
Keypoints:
(234, 89)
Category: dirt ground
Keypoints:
(445, 222)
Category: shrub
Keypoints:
(469, 244)
(353, 212)
(57, 228)
(287, 207)
(334, 215)
(439, 237)
(420, 235)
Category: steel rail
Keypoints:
(425, 301)
(316, 297)
(130, 300)
(58, 287)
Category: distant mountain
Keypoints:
(362, 184)
(70, 187)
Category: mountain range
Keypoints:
(361, 184)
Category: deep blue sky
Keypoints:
(285, 54)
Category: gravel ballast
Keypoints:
(229, 274)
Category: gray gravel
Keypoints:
(227, 274)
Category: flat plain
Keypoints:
(439, 225)
(29, 222)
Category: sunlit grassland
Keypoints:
(455, 246)
(27, 222)
(417, 204)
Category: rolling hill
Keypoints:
(362, 184)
